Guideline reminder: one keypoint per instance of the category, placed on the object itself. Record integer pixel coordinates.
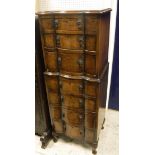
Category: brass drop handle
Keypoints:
(60, 84)
(58, 40)
(63, 115)
(59, 60)
(80, 116)
(80, 62)
(56, 23)
(79, 24)
(80, 87)
(81, 102)
(62, 98)
(64, 127)
(81, 41)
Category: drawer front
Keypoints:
(92, 23)
(72, 117)
(72, 102)
(69, 23)
(71, 86)
(90, 120)
(53, 99)
(76, 42)
(71, 63)
(74, 132)
(90, 135)
(48, 40)
(90, 42)
(51, 83)
(51, 61)
(55, 113)
(46, 23)
(90, 64)
(91, 88)
(90, 104)
(58, 126)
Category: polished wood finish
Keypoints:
(75, 49)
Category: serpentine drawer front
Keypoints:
(75, 48)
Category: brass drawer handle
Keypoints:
(59, 60)
(56, 23)
(80, 62)
(80, 87)
(79, 24)
(58, 41)
(64, 126)
(80, 116)
(81, 102)
(62, 98)
(81, 41)
(63, 115)
(60, 84)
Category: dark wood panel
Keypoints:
(91, 120)
(66, 59)
(73, 117)
(51, 61)
(72, 102)
(90, 136)
(58, 126)
(90, 64)
(74, 132)
(55, 112)
(54, 99)
(90, 104)
(69, 86)
(91, 88)
(52, 83)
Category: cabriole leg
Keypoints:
(45, 138)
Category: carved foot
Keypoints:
(45, 138)
(94, 151)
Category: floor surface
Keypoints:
(108, 141)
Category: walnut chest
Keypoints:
(75, 49)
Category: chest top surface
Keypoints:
(74, 12)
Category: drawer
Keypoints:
(90, 120)
(73, 117)
(90, 64)
(90, 42)
(48, 40)
(46, 23)
(90, 135)
(51, 61)
(58, 126)
(76, 42)
(74, 132)
(72, 102)
(51, 83)
(71, 86)
(91, 88)
(53, 99)
(69, 23)
(55, 113)
(72, 63)
(90, 104)
(92, 23)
